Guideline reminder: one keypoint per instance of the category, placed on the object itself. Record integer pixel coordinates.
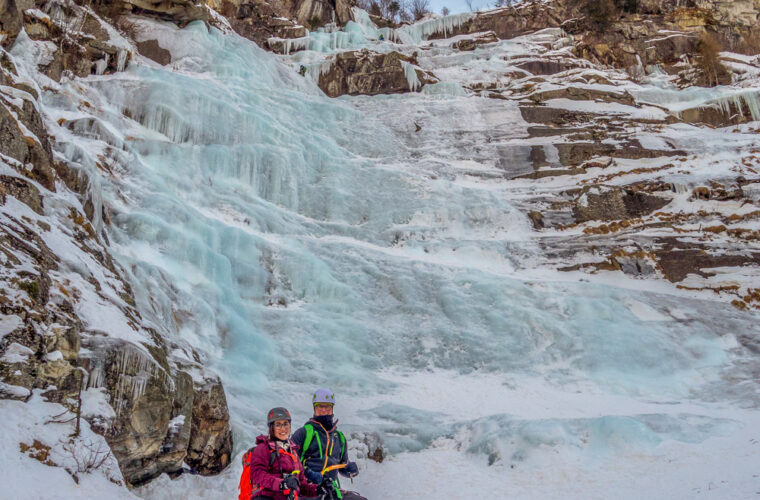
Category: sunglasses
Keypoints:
(281, 425)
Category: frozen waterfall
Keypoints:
(297, 241)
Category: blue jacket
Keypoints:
(327, 448)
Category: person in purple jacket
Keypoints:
(274, 464)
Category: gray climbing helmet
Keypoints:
(276, 414)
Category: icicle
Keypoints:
(752, 100)
(410, 71)
(101, 65)
(739, 103)
(418, 32)
(297, 44)
(96, 378)
(121, 59)
(314, 71)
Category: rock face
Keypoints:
(12, 19)
(23, 137)
(162, 416)
(677, 262)
(631, 40)
(152, 50)
(317, 12)
(510, 22)
(260, 20)
(88, 50)
(161, 412)
(480, 39)
(367, 73)
(614, 203)
(210, 446)
(630, 44)
(178, 11)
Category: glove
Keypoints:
(290, 483)
(350, 470)
(321, 490)
(313, 476)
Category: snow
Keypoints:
(54, 356)
(176, 424)
(30, 53)
(611, 108)
(645, 312)
(95, 403)
(14, 391)
(38, 14)
(16, 353)
(25, 477)
(9, 323)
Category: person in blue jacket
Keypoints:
(324, 451)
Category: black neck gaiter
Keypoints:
(325, 420)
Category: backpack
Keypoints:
(246, 489)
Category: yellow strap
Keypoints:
(333, 467)
(327, 446)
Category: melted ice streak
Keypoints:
(297, 241)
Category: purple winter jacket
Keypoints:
(270, 478)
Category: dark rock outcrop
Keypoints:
(12, 19)
(145, 399)
(312, 12)
(467, 44)
(583, 94)
(210, 446)
(163, 418)
(23, 137)
(510, 22)
(370, 445)
(677, 263)
(259, 21)
(658, 33)
(607, 203)
(547, 66)
(177, 11)
(367, 73)
(152, 50)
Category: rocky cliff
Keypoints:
(651, 34)
(70, 327)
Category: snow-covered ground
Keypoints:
(37, 432)
(297, 241)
